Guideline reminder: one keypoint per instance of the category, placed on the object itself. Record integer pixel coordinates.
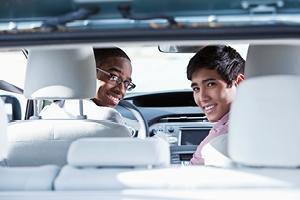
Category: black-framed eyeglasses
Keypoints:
(117, 80)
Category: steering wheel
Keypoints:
(144, 129)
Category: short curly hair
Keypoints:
(226, 60)
(102, 54)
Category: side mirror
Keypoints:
(12, 107)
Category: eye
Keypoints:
(210, 84)
(195, 89)
(113, 77)
(126, 83)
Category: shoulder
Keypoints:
(215, 152)
(95, 112)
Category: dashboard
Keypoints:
(173, 115)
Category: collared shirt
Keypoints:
(220, 128)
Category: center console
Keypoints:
(182, 137)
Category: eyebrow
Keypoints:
(118, 71)
(203, 81)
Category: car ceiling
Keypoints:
(111, 8)
(33, 22)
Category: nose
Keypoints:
(202, 95)
(121, 88)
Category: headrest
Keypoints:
(60, 74)
(264, 118)
(119, 152)
(272, 59)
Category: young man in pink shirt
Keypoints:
(215, 72)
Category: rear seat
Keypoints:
(129, 163)
(100, 163)
(28, 178)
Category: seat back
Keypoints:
(41, 142)
(263, 127)
(57, 74)
(261, 131)
(22, 178)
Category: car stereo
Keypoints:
(182, 137)
(188, 140)
(192, 136)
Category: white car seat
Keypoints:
(263, 119)
(22, 178)
(57, 74)
(101, 162)
(94, 164)
(262, 129)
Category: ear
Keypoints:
(239, 79)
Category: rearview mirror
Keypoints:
(179, 48)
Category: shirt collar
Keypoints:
(223, 121)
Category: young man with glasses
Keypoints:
(114, 76)
(113, 80)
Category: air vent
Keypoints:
(184, 119)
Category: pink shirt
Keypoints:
(221, 127)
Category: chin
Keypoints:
(113, 105)
(213, 118)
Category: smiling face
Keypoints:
(212, 93)
(108, 93)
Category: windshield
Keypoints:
(13, 66)
(152, 69)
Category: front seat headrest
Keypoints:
(60, 74)
(272, 60)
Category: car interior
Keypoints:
(81, 156)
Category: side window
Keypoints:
(13, 66)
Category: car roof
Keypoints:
(112, 8)
(36, 23)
